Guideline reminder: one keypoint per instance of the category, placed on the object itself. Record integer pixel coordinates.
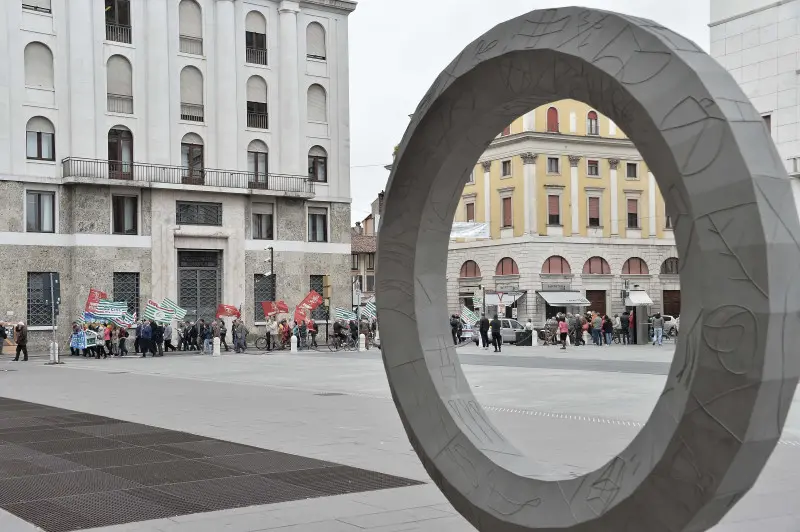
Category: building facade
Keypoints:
(161, 148)
(573, 209)
(364, 251)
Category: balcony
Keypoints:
(258, 120)
(142, 174)
(118, 33)
(192, 112)
(117, 103)
(191, 45)
(256, 56)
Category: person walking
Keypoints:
(75, 343)
(631, 325)
(207, 335)
(122, 340)
(194, 335)
(145, 337)
(3, 336)
(107, 340)
(240, 343)
(21, 338)
(168, 338)
(157, 344)
(563, 331)
(497, 338)
(454, 328)
(483, 328)
(354, 331)
(597, 329)
(608, 329)
(271, 332)
(223, 333)
(215, 333)
(137, 335)
(364, 329)
(312, 332)
(658, 329)
(623, 328)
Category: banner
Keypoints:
(270, 309)
(94, 298)
(344, 314)
(469, 316)
(282, 307)
(171, 305)
(157, 313)
(301, 314)
(228, 311)
(108, 309)
(125, 321)
(370, 310)
(470, 230)
(311, 301)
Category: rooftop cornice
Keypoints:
(342, 6)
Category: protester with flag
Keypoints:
(77, 341)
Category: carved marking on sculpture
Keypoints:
(731, 331)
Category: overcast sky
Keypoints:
(398, 47)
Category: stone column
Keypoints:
(613, 164)
(574, 160)
(82, 79)
(227, 122)
(290, 96)
(651, 203)
(159, 117)
(529, 191)
(487, 193)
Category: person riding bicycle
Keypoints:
(339, 333)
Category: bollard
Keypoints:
(294, 343)
(362, 342)
(216, 351)
(52, 353)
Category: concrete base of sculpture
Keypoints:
(736, 365)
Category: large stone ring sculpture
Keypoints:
(736, 225)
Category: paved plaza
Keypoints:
(569, 410)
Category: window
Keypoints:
(596, 266)
(198, 213)
(40, 309)
(255, 38)
(257, 116)
(358, 282)
(768, 122)
(370, 261)
(593, 168)
(317, 284)
(317, 224)
(370, 283)
(470, 269)
(506, 266)
(318, 164)
(671, 266)
(192, 158)
(317, 104)
(553, 166)
(594, 212)
(508, 220)
(263, 290)
(315, 41)
(592, 124)
(506, 167)
(119, 85)
(471, 177)
(125, 215)
(258, 164)
(40, 141)
(633, 213)
(552, 120)
(118, 21)
(556, 265)
(40, 212)
(553, 209)
(38, 65)
(354, 260)
(43, 6)
(668, 222)
(190, 27)
(192, 94)
(126, 288)
(120, 153)
(632, 170)
(470, 212)
(635, 266)
(263, 222)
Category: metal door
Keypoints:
(199, 283)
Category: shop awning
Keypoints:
(509, 298)
(638, 298)
(564, 299)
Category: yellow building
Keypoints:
(569, 200)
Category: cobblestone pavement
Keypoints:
(571, 411)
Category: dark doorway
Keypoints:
(597, 301)
(120, 154)
(199, 283)
(672, 302)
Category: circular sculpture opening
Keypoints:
(735, 221)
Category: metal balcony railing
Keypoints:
(192, 112)
(256, 56)
(191, 45)
(118, 33)
(156, 173)
(117, 103)
(258, 120)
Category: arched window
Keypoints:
(192, 94)
(556, 264)
(190, 27)
(40, 139)
(120, 153)
(596, 266)
(38, 66)
(552, 120)
(470, 269)
(257, 116)
(635, 266)
(258, 163)
(119, 84)
(506, 266)
(192, 158)
(255, 38)
(318, 164)
(315, 41)
(671, 266)
(317, 104)
(592, 124)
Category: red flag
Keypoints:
(312, 301)
(269, 308)
(282, 307)
(229, 311)
(301, 314)
(94, 298)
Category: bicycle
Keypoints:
(335, 343)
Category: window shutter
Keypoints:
(40, 124)
(552, 205)
(191, 86)
(470, 212)
(120, 77)
(255, 22)
(256, 89)
(317, 104)
(552, 119)
(38, 66)
(315, 40)
(594, 207)
(507, 212)
(41, 4)
(190, 19)
(633, 206)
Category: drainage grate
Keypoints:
(329, 394)
(64, 470)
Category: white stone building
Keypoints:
(157, 148)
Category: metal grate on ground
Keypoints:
(64, 470)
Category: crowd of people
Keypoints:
(575, 328)
(344, 328)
